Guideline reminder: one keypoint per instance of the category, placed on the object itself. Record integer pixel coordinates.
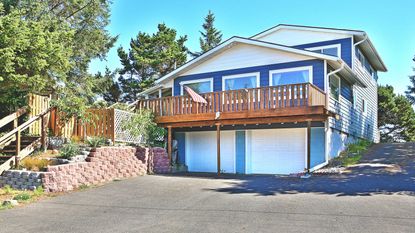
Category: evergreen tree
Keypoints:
(210, 37)
(410, 93)
(46, 47)
(149, 57)
(396, 117)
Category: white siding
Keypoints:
(292, 37)
(352, 120)
(241, 56)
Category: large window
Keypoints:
(333, 50)
(199, 86)
(291, 76)
(240, 81)
(334, 82)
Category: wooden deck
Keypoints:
(287, 103)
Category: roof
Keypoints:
(358, 35)
(234, 40)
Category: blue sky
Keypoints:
(388, 23)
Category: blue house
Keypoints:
(283, 101)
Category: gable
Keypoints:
(244, 55)
(292, 37)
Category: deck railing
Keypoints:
(252, 99)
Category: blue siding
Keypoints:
(318, 74)
(240, 151)
(346, 48)
(346, 90)
(317, 146)
(181, 146)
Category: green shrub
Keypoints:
(38, 191)
(95, 141)
(22, 197)
(69, 150)
(353, 153)
(7, 189)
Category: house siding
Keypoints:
(345, 44)
(352, 120)
(317, 150)
(318, 74)
(181, 146)
(240, 151)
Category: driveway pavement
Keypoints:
(365, 200)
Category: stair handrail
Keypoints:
(12, 117)
(23, 126)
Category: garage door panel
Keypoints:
(201, 151)
(277, 151)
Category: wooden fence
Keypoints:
(37, 105)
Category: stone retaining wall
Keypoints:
(102, 165)
(18, 179)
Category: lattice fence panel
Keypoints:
(122, 135)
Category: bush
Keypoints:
(69, 150)
(22, 197)
(352, 154)
(38, 191)
(95, 141)
(7, 189)
(35, 164)
(143, 125)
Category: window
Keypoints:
(365, 63)
(291, 76)
(364, 106)
(334, 82)
(333, 50)
(240, 81)
(199, 86)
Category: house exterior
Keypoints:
(283, 101)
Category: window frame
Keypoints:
(338, 46)
(364, 106)
(243, 75)
(340, 84)
(182, 83)
(284, 70)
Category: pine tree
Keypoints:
(210, 37)
(410, 93)
(396, 117)
(150, 57)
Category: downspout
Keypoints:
(328, 77)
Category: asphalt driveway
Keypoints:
(365, 200)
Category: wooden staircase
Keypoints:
(16, 146)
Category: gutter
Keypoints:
(364, 39)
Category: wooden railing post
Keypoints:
(18, 141)
(169, 142)
(43, 132)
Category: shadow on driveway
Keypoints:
(359, 182)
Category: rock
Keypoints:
(55, 152)
(10, 202)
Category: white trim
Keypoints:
(318, 166)
(364, 106)
(339, 94)
(243, 75)
(300, 68)
(229, 43)
(316, 29)
(338, 46)
(196, 81)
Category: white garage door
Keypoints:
(276, 151)
(201, 151)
